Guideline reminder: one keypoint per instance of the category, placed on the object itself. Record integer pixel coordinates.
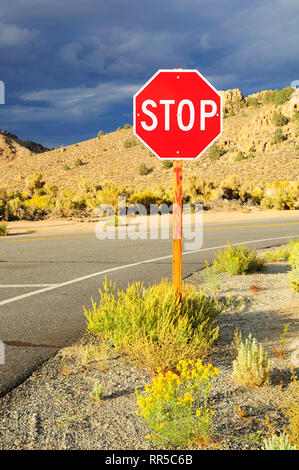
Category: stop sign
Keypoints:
(177, 114)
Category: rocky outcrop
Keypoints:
(230, 96)
(11, 146)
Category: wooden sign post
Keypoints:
(177, 228)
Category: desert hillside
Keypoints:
(259, 143)
(12, 147)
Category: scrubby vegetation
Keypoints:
(40, 200)
(276, 97)
(78, 162)
(144, 170)
(128, 143)
(281, 442)
(251, 367)
(279, 119)
(239, 157)
(199, 190)
(3, 229)
(167, 164)
(278, 137)
(237, 260)
(152, 326)
(283, 253)
(280, 196)
(215, 152)
(97, 391)
(294, 260)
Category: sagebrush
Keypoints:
(251, 366)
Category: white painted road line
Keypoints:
(4, 286)
(126, 266)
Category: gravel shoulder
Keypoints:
(54, 409)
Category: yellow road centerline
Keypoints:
(65, 237)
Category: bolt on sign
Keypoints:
(177, 115)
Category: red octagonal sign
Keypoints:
(177, 114)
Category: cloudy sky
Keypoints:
(71, 66)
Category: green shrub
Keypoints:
(86, 187)
(167, 164)
(66, 167)
(239, 103)
(100, 134)
(281, 253)
(51, 189)
(144, 170)
(295, 119)
(152, 326)
(279, 119)
(78, 162)
(294, 260)
(252, 101)
(15, 209)
(251, 367)
(2, 209)
(3, 229)
(278, 137)
(146, 198)
(277, 97)
(175, 405)
(200, 189)
(230, 189)
(97, 391)
(281, 442)
(237, 260)
(127, 126)
(215, 152)
(110, 193)
(239, 157)
(34, 182)
(211, 277)
(113, 221)
(130, 143)
(68, 204)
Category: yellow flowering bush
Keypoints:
(175, 405)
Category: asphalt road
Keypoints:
(46, 280)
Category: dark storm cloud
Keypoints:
(79, 62)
